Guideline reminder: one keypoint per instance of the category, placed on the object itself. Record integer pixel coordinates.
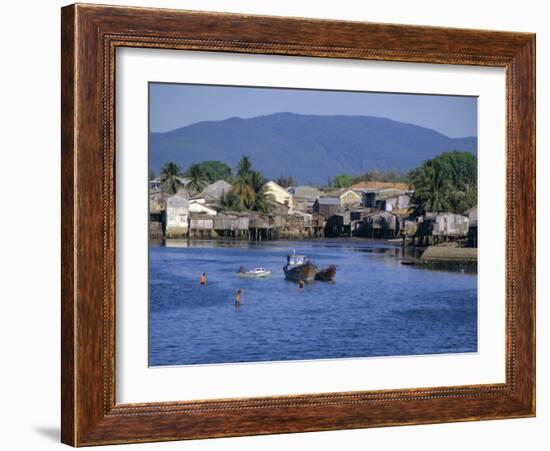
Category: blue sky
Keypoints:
(177, 105)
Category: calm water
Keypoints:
(376, 306)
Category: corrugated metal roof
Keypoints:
(389, 193)
(305, 191)
(341, 191)
(215, 191)
(379, 185)
(329, 201)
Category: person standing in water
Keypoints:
(202, 279)
(238, 298)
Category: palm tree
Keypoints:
(242, 188)
(244, 191)
(256, 180)
(231, 201)
(197, 178)
(432, 189)
(265, 201)
(249, 191)
(170, 178)
(244, 166)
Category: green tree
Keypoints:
(242, 187)
(244, 166)
(197, 178)
(461, 167)
(448, 182)
(263, 200)
(431, 189)
(214, 170)
(231, 201)
(244, 191)
(256, 180)
(170, 178)
(249, 190)
(343, 180)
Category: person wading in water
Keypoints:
(202, 279)
(238, 297)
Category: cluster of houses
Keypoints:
(366, 209)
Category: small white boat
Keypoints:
(256, 272)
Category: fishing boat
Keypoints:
(253, 273)
(299, 267)
(326, 274)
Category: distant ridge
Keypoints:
(310, 148)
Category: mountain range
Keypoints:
(310, 148)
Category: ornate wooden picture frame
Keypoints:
(90, 37)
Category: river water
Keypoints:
(375, 307)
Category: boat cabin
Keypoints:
(296, 260)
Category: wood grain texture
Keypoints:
(90, 36)
(68, 147)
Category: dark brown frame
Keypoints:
(90, 36)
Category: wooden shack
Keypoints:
(379, 224)
(318, 223)
(293, 227)
(387, 199)
(435, 228)
(327, 206)
(278, 221)
(260, 226)
(232, 224)
(450, 224)
(338, 225)
(304, 197)
(297, 225)
(279, 209)
(358, 214)
(201, 225)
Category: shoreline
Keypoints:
(421, 256)
(391, 242)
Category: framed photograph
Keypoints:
(278, 225)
